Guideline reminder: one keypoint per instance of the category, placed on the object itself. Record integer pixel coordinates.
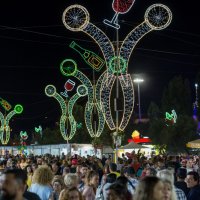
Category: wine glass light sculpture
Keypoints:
(120, 7)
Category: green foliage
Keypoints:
(176, 96)
(174, 137)
(153, 111)
(49, 136)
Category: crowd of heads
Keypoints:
(67, 177)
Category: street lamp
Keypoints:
(196, 91)
(138, 81)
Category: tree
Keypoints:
(174, 137)
(153, 111)
(176, 96)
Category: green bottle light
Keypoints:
(92, 59)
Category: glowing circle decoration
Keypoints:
(82, 90)
(158, 16)
(75, 17)
(68, 67)
(50, 90)
(18, 109)
(117, 65)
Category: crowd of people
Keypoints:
(134, 177)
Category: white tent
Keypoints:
(132, 145)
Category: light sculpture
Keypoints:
(7, 106)
(50, 91)
(120, 7)
(69, 68)
(5, 128)
(79, 125)
(39, 130)
(69, 86)
(23, 138)
(170, 119)
(92, 59)
(76, 18)
(23, 135)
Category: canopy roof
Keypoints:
(132, 145)
(194, 144)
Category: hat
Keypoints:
(182, 173)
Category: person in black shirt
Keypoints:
(192, 181)
(180, 183)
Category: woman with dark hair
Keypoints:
(102, 189)
(149, 188)
(117, 191)
(29, 172)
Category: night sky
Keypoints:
(34, 41)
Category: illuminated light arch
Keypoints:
(128, 93)
(88, 90)
(18, 109)
(105, 99)
(157, 17)
(50, 91)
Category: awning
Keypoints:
(194, 144)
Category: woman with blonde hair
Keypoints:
(70, 194)
(41, 183)
(168, 190)
(167, 174)
(91, 184)
(71, 180)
